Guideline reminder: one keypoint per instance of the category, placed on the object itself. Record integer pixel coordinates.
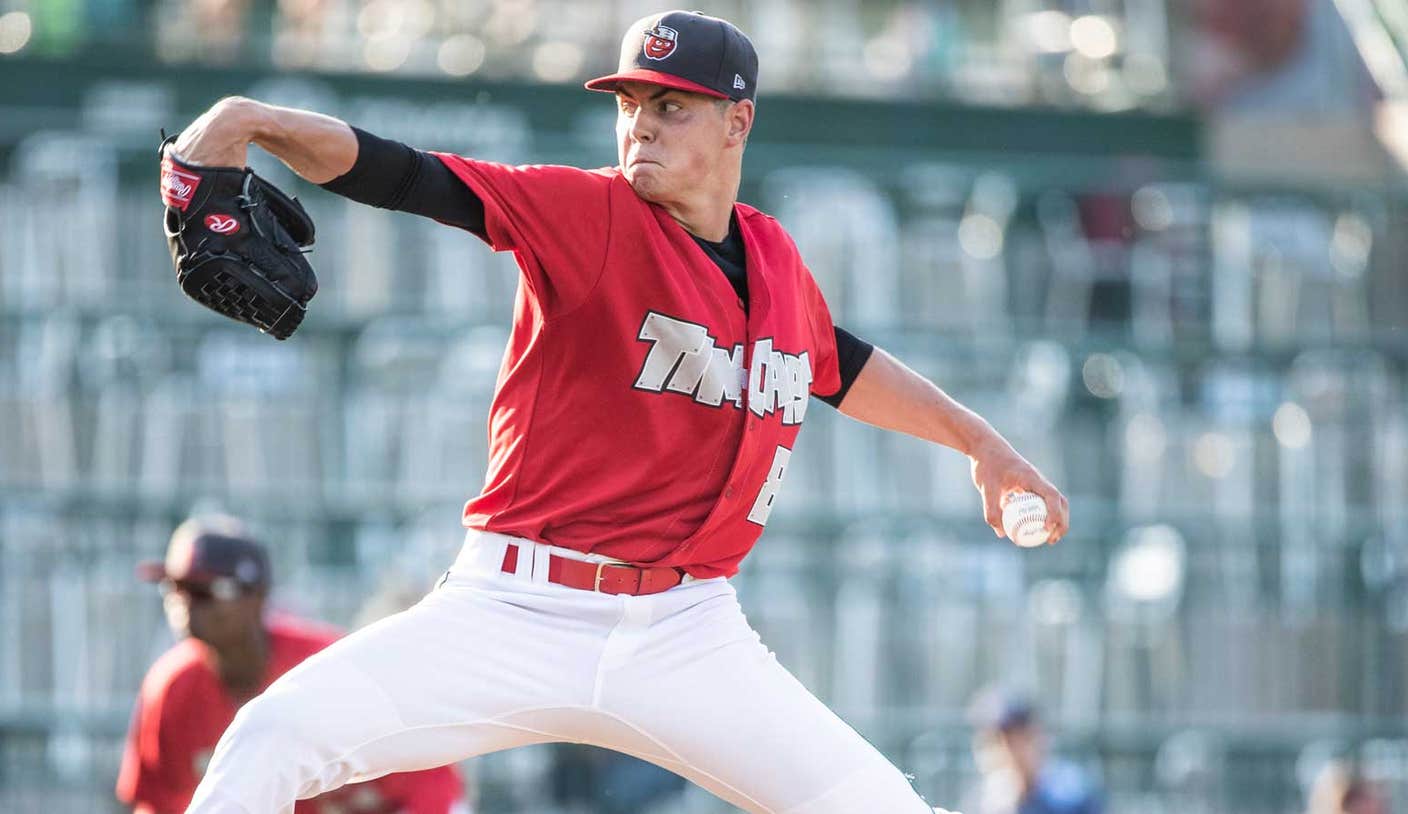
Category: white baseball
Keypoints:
(1024, 519)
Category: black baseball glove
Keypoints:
(237, 242)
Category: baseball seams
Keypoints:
(1024, 519)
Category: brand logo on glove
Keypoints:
(222, 224)
(178, 187)
(660, 42)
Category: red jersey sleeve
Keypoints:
(555, 219)
(155, 777)
(826, 371)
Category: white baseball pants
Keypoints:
(491, 660)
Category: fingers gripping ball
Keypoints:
(1024, 519)
(237, 243)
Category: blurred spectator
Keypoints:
(214, 584)
(1279, 56)
(220, 25)
(600, 781)
(1016, 777)
(1341, 788)
(1261, 34)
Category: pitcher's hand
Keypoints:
(999, 471)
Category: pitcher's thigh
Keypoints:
(737, 723)
(446, 680)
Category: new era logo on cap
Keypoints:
(688, 51)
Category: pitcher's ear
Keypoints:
(740, 120)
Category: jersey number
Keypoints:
(762, 507)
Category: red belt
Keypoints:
(606, 577)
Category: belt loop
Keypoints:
(541, 554)
(523, 569)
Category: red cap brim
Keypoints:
(608, 84)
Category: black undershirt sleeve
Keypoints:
(852, 353)
(391, 175)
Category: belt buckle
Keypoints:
(596, 584)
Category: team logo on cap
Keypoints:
(660, 42)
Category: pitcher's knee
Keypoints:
(265, 759)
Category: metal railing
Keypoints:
(1215, 374)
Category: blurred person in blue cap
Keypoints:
(1016, 774)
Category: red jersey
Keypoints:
(183, 709)
(641, 413)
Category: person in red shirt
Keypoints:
(214, 584)
(668, 342)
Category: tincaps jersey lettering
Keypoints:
(684, 359)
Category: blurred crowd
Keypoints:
(1098, 54)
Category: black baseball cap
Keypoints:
(210, 550)
(686, 50)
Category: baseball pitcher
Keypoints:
(667, 342)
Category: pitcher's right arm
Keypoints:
(317, 147)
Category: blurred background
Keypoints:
(1159, 243)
